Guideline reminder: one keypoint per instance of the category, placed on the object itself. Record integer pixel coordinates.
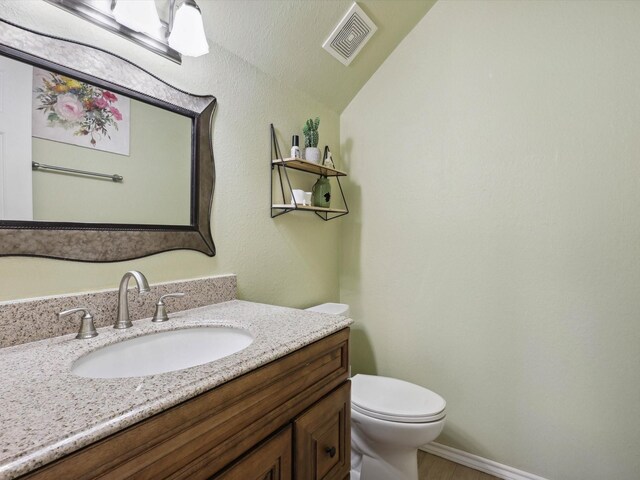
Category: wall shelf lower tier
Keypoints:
(308, 208)
(323, 213)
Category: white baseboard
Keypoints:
(479, 463)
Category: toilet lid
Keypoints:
(395, 400)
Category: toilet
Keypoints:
(390, 420)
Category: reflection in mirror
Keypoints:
(158, 190)
(57, 120)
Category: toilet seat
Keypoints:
(395, 400)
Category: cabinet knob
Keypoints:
(331, 451)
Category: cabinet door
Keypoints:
(322, 445)
(269, 461)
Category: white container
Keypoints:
(298, 196)
(307, 198)
(295, 148)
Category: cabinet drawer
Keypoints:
(269, 461)
(322, 438)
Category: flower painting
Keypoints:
(67, 110)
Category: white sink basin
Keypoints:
(162, 352)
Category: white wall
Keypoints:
(493, 253)
(291, 260)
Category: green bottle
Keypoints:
(321, 193)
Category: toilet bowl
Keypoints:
(332, 308)
(390, 420)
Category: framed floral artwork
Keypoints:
(70, 111)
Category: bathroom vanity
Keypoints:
(278, 409)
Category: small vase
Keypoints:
(321, 193)
(312, 154)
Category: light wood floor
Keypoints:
(437, 468)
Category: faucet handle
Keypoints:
(87, 328)
(161, 311)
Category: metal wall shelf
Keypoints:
(282, 165)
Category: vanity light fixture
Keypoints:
(139, 15)
(138, 21)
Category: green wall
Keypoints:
(493, 254)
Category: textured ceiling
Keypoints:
(283, 38)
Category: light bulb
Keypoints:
(187, 35)
(138, 15)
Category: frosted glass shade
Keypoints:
(138, 15)
(187, 35)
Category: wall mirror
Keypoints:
(100, 161)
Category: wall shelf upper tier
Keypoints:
(303, 165)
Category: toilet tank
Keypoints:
(332, 308)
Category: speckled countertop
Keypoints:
(47, 412)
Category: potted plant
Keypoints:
(310, 131)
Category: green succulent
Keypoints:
(310, 131)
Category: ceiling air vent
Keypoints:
(351, 34)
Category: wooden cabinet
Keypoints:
(241, 429)
(322, 449)
(268, 461)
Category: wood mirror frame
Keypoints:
(110, 242)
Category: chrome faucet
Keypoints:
(123, 320)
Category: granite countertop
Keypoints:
(46, 412)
